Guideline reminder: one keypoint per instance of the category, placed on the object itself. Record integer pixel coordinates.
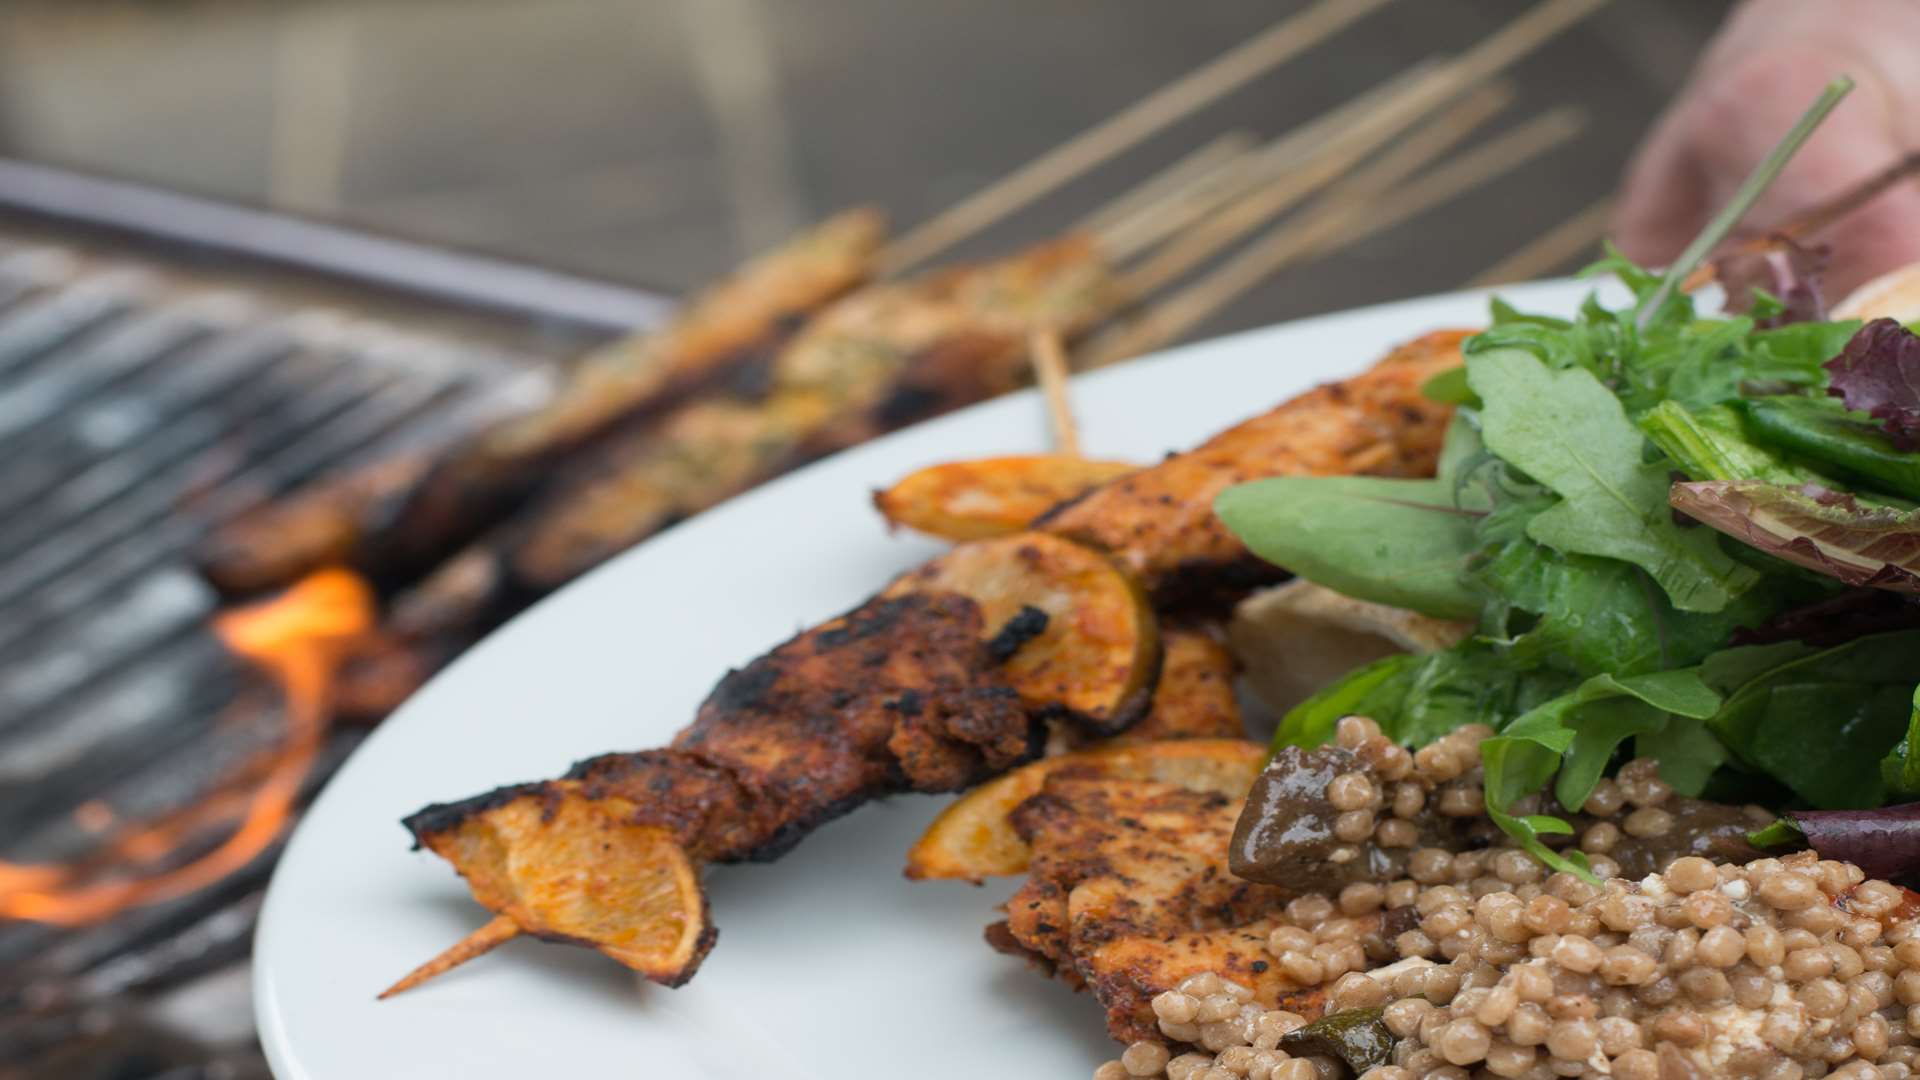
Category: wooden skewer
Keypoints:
(1275, 164)
(1194, 168)
(1551, 249)
(1346, 221)
(1050, 368)
(1399, 111)
(1347, 151)
(479, 943)
(1155, 112)
(1826, 213)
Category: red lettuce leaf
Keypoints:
(1824, 531)
(1878, 373)
(1883, 842)
(1787, 271)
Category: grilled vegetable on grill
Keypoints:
(394, 522)
(974, 500)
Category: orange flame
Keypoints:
(299, 639)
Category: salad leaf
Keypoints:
(1900, 769)
(1576, 735)
(1819, 721)
(1821, 530)
(1884, 842)
(1688, 752)
(1779, 281)
(1374, 690)
(1878, 373)
(1517, 766)
(1836, 619)
(1821, 429)
(1712, 444)
(1566, 430)
(1405, 543)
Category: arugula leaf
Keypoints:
(1566, 430)
(1820, 721)
(1821, 429)
(1516, 766)
(1878, 373)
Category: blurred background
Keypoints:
(204, 320)
(655, 142)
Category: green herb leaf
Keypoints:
(1712, 444)
(1566, 430)
(1820, 721)
(1404, 543)
(1687, 751)
(1376, 690)
(1848, 443)
(1783, 833)
(1900, 769)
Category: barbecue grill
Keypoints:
(164, 363)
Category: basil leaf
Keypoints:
(1566, 430)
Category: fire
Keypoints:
(298, 639)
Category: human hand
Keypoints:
(1752, 82)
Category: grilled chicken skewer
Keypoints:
(393, 519)
(914, 691)
(886, 356)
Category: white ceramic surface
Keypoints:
(829, 963)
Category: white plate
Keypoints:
(829, 963)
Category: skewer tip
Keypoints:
(495, 933)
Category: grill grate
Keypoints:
(136, 409)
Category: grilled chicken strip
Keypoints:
(886, 356)
(1129, 894)
(898, 695)
(1159, 522)
(393, 520)
(902, 695)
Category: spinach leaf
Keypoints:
(1687, 751)
(1819, 721)
(1823, 430)
(1399, 542)
(1566, 430)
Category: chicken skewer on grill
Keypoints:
(881, 358)
(395, 518)
(938, 683)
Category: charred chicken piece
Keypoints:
(897, 695)
(1159, 522)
